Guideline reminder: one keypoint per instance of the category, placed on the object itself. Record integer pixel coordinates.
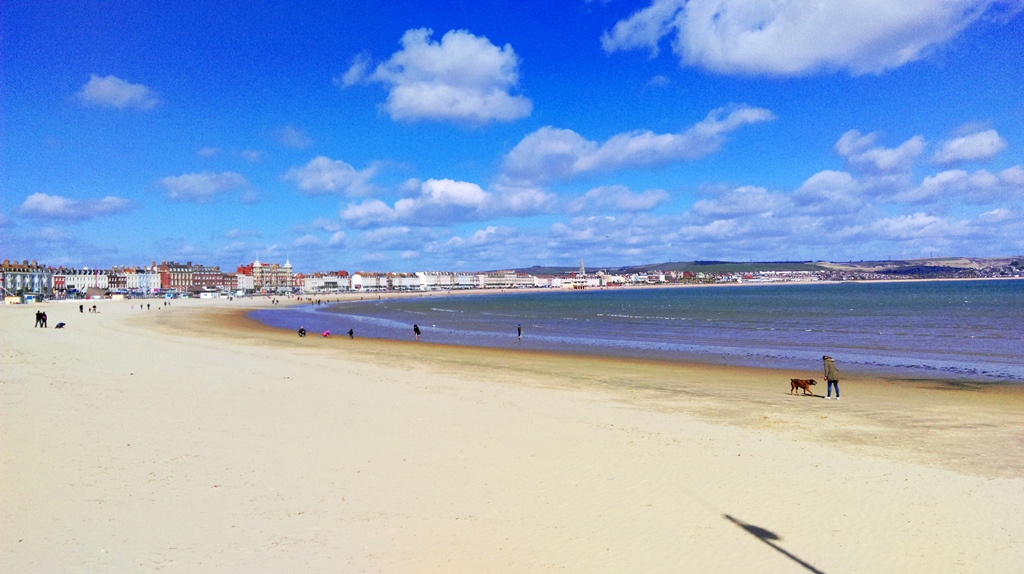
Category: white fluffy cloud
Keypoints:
(918, 226)
(443, 201)
(797, 37)
(293, 137)
(325, 175)
(745, 200)
(560, 154)
(463, 78)
(113, 92)
(201, 187)
(860, 151)
(978, 146)
(43, 206)
(618, 198)
(978, 187)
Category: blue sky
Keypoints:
(409, 136)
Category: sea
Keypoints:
(963, 330)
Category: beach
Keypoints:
(188, 438)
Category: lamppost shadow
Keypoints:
(770, 538)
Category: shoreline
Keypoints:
(757, 353)
(618, 375)
(197, 440)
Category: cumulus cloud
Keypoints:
(561, 154)
(252, 155)
(918, 226)
(745, 200)
(292, 137)
(463, 78)
(356, 72)
(829, 191)
(997, 215)
(325, 175)
(307, 240)
(796, 37)
(369, 212)
(337, 239)
(442, 201)
(979, 146)
(43, 206)
(862, 154)
(201, 187)
(113, 92)
(618, 198)
(978, 187)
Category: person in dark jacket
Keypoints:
(832, 376)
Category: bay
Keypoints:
(962, 330)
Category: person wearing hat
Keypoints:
(832, 376)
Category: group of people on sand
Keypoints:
(41, 321)
(327, 333)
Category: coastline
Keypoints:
(197, 439)
(891, 343)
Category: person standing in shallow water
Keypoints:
(416, 331)
(832, 376)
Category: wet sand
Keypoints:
(193, 439)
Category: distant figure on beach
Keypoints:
(832, 376)
(81, 308)
(519, 330)
(39, 319)
(351, 334)
(302, 331)
(326, 335)
(59, 325)
(44, 319)
(416, 331)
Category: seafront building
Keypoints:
(30, 281)
(23, 279)
(331, 281)
(269, 277)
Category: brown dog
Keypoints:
(804, 384)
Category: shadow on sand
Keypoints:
(769, 538)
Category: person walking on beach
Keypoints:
(44, 319)
(519, 330)
(832, 376)
(39, 318)
(416, 331)
(351, 334)
(80, 308)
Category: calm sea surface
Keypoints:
(971, 330)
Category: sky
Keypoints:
(410, 136)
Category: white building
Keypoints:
(326, 282)
(82, 279)
(26, 278)
(504, 280)
(146, 281)
(364, 281)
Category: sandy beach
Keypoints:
(190, 439)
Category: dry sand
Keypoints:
(189, 439)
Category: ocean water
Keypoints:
(963, 330)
